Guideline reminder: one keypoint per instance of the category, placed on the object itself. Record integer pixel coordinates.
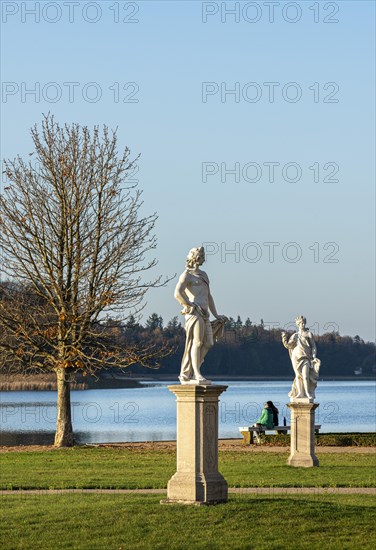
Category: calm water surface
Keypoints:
(149, 413)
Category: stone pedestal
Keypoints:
(302, 451)
(197, 480)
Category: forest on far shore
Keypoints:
(248, 349)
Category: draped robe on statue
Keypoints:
(209, 331)
(302, 350)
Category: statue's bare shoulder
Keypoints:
(188, 277)
(184, 277)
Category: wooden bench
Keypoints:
(248, 432)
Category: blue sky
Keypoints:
(322, 117)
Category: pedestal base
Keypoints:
(302, 450)
(197, 489)
(197, 480)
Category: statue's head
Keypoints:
(301, 321)
(196, 256)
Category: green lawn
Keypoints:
(139, 522)
(102, 467)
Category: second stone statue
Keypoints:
(193, 293)
(306, 365)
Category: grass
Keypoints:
(127, 468)
(138, 521)
(270, 470)
(121, 522)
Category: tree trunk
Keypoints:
(64, 430)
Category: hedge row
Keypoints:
(330, 439)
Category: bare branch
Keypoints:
(75, 248)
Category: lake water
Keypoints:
(149, 413)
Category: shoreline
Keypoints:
(48, 382)
(164, 378)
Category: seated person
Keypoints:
(274, 411)
(275, 415)
(265, 420)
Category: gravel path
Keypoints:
(224, 445)
(232, 490)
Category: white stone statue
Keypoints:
(302, 350)
(193, 293)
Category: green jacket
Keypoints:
(266, 419)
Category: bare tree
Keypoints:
(72, 235)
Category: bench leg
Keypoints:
(247, 438)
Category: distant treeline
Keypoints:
(248, 349)
(251, 349)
